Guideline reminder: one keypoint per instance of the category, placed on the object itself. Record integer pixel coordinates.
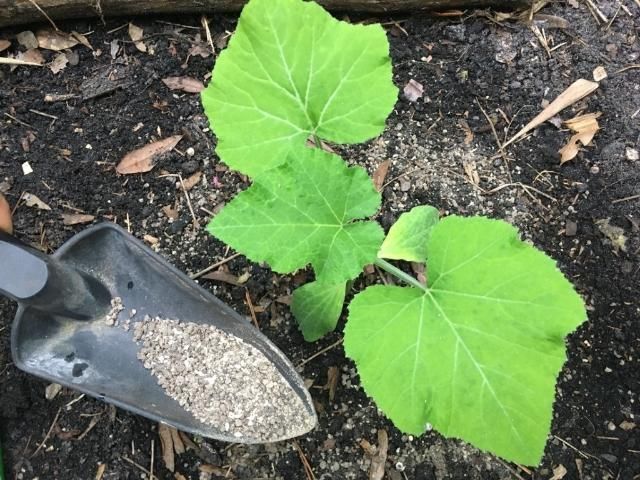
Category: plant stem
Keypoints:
(399, 274)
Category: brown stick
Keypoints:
(16, 12)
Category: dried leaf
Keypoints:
(52, 40)
(599, 74)
(143, 159)
(186, 84)
(575, 92)
(333, 374)
(179, 476)
(585, 127)
(187, 441)
(27, 39)
(170, 212)
(468, 134)
(167, 446)
(100, 472)
(52, 390)
(222, 276)
(178, 445)
(4, 44)
(206, 468)
(82, 39)
(76, 218)
(191, 182)
(549, 22)
(30, 200)
(27, 140)
(136, 33)
(59, 63)
(378, 460)
(200, 49)
(32, 57)
(413, 90)
(559, 472)
(380, 174)
(471, 171)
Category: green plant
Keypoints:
(473, 352)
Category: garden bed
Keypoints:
(443, 152)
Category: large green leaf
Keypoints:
(304, 212)
(317, 307)
(407, 238)
(477, 354)
(291, 71)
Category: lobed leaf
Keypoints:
(477, 353)
(317, 308)
(408, 237)
(303, 212)
(292, 71)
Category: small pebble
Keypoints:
(190, 152)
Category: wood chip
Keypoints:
(52, 390)
(186, 84)
(380, 174)
(136, 33)
(100, 472)
(190, 182)
(150, 239)
(167, 446)
(55, 40)
(599, 74)
(30, 200)
(76, 218)
(585, 128)
(559, 472)
(627, 425)
(378, 456)
(575, 92)
(143, 159)
(6, 224)
(413, 90)
(4, 44)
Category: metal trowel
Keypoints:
(60, 333)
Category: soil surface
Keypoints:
(443, 152)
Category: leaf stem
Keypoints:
(317, 141)
(399, 274)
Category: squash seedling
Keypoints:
(474, 352)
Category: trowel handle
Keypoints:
(32, 278)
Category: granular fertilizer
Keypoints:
(221, 380)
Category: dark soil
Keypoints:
(459, 62)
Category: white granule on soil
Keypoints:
(221, 380)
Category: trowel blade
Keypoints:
(103, 361)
